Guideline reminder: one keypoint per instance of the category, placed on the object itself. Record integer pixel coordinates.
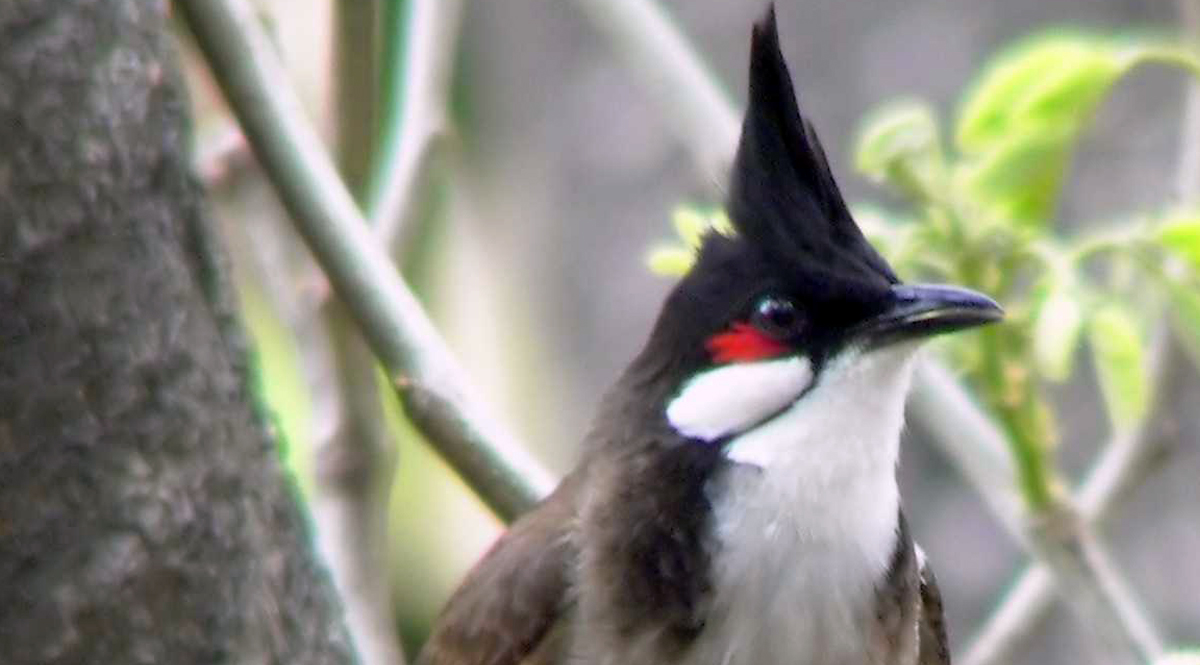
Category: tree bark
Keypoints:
(144, 517)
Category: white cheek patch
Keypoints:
(728, 399)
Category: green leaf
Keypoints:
(1019, 123)
(1181, 235)
(1054, 79)
(671, 261)
(691, 225)
(1056, 332)
(1117, 351)
(720, 223)
(898, 144)
(1073, 89)
(1022, 177)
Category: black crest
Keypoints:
(783, 198)
(795, 239)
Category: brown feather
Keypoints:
(893, 638)
(509, 603)
(935, 647)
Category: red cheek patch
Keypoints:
(743, 343)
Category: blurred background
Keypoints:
(563, 172)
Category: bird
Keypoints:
(736, 499)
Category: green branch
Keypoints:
(424, 33)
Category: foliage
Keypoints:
(983, 213)
(691, 223)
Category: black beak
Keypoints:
(924, 310)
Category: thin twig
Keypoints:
(352, 449)
(416, 358)
(1061, 540)
(1092, 587)
(351, 485)
(410, 141)
(1012, 622)
(356, 463)
(355, 95)
(675, 77)
(221, 154)
(354, 471)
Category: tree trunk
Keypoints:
(143, 514)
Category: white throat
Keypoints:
(847, 424)
(828, 462)
(808, 525)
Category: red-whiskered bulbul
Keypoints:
(737, 503)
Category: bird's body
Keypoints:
(809, 564)
(808, 540)
(737, 500)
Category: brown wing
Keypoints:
(508, 604)
(935, 648)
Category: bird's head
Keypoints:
(766, 311)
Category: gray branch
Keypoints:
(356, 463)
(686, 92)
(1067, 552)
(430, 383)
(355, 466)
(424, 123)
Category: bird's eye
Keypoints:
(777, 317)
